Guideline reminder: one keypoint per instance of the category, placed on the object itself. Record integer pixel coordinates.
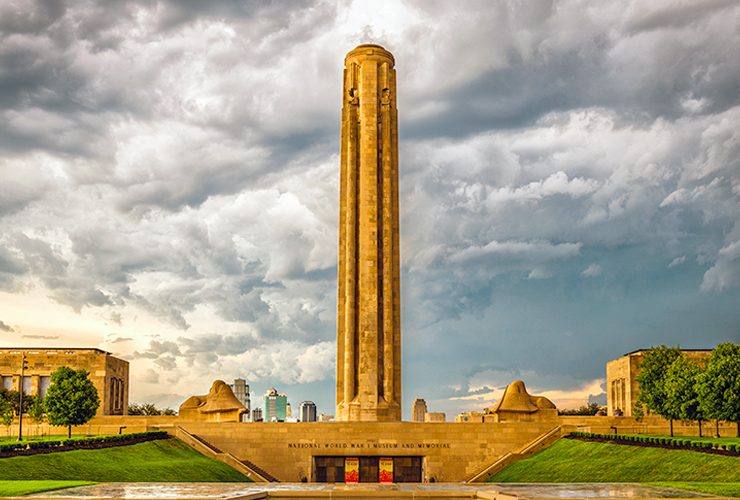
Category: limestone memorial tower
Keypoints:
(369, 315)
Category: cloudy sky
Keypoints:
(570, 187)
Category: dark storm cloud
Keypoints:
(42, 337)
(11, 269)
(640, 76)
(209, 348)
(676, 15)
(118, 340)
(30, 16)
(569, 180)
(275, 14)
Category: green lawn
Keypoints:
(574, 461)
(161, 460)
(18, 488)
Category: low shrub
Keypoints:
(81, 442)
(654, 441)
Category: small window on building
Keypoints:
(32, 352)
(69, 352)
(51, 352)
(44, 383)
(8, 383)
(27, 385)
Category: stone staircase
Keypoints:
(262, 472)
(246, 467)
(529, 449)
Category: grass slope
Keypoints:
(163, 460)
(573, 461)
(18, 488)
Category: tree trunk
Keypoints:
(671, 421)
(716, 426)
(700, 429)
(69, 432)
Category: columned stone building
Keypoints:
(369, 314)
(622, 389)
(108, 373)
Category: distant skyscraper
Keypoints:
(241, 391)
(307, 411)
(276, 406)
(419, 410)
(257, 415)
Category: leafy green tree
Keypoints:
(6, 412)
(12, 397)
(586, 410)
(36, 409)
(652, 380)
(681, 383)
(148, 409)
(134, 409)
(71, 399)
(719, 385)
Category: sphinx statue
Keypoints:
(219, 405)
(517, 405)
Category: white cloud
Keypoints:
(592, 271)
(677, 261)
(537, 251)
(725, 272)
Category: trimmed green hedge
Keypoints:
(73, 443)
(660, 441)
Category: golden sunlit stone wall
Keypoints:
(651, 424)
(451, 451)
(109, 375)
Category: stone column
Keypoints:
(368, 316)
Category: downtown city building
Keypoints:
(307, 411)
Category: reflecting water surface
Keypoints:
(591, 490)
(230, 490)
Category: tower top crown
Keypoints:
(369, 50)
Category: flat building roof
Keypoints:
(55, 349)
(684, 350)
